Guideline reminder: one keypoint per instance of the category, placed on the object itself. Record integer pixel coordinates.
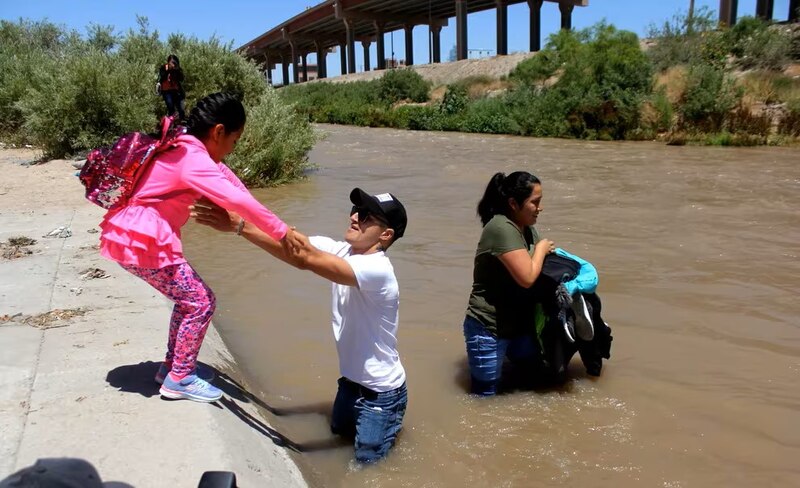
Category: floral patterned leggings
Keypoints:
(194, 305)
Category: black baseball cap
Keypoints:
(58, 473)
(386, 206)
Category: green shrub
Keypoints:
(403, 84)
(743, 121)
(274, 146)
(726, 138)
(455, 99)
(336, 103)
(88, 101)
(790, 123)
(67, 93)
(562, 49)
(710, 95)
(210, 66)
(28, 50)
(664, 111)
(399, 118)
(602, 79)
(680, 40)
(538, 114)
(757, 44)
(424, 118)
(489, 116)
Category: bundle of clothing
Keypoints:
(567, 311)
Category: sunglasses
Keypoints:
(364, 214)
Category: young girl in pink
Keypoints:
(145, 236)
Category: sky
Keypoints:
(239, 21)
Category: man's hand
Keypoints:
(296, 248)
(293, 241)
(209, 213)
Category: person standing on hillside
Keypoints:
(170, 86)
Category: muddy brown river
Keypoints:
(698, 251)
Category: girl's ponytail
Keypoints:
(217, 108)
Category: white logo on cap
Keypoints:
(384, 197)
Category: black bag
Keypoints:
(557, 349)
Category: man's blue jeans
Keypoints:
(373, 418)
(486, 353)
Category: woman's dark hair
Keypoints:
(172, 57)
(217, 108)
(518, 185)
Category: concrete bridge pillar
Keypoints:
(322, 61)
(349, 25)
(365, 45)
(794, 10)
(295, 67)
(764, 9)
(461, 29)
(502, 27)
(436, 36)
(343, 56)
(285, 69)
(409, 30)
(566, 15)
(304, 57)
(535, 7)
(379, 47)
(267, 69)
(727, 12)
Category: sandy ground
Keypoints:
(80, 341)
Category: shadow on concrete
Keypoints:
(236, 392)
(138, 378)
(135, 378)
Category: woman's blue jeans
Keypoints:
(486, 352)
(374, 418)
(174, 102)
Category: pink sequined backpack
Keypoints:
(110, 174)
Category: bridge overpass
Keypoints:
(765, 9)
(341, 23)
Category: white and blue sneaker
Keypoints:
(190, 387)
(584, 327)
(203, 372)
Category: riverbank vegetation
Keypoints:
(67, 93)
(691, 82)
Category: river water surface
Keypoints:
(698, 251)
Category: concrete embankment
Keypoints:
(451, 72)
(80, 342)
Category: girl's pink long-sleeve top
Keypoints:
(147, 232)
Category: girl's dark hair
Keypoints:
(217, 108)
(518, 185)
(172, 57)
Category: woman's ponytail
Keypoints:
(492, 202)
(518, 185)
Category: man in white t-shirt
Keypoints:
(372, 396)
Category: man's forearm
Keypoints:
(265, 242)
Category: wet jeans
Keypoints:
(374, 418)
(486, 353)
